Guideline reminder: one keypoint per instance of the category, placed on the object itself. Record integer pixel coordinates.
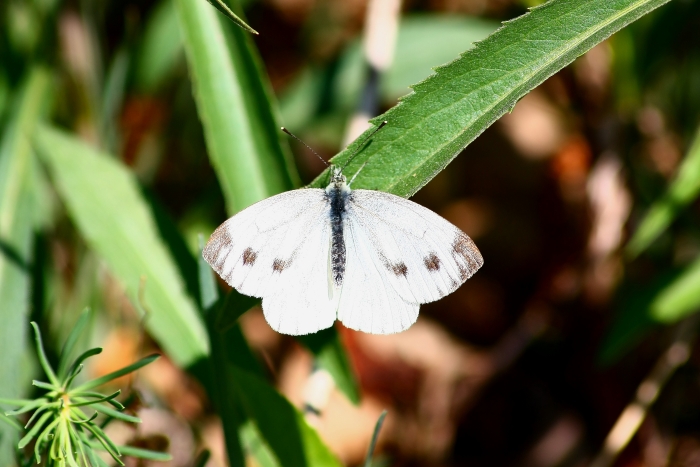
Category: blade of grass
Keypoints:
(243, 139)
(202, 458)
(13, 424)
(668, 298)
(330, 355)
(17, 168)
(223, 8)
(679, 298)
(231, 355)
(215, 376)
(74, 369)
(45, 365)
(69, 345)
(255, 445)
(292, 440)
(375, 435)
(447, 111)
(118, 225)
(116, 374)
(684, 189)
(233, 102)
(160, 48)
(34, 430)
(144, 453)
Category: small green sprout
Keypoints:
(59, 424)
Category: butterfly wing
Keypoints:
(278, 250)
(422, 256)
(368, 301)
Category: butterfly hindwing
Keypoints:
(423, 256)
(368, 301)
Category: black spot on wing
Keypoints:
(249, 256)
(399, 269)
(279, 265)
(432, 262)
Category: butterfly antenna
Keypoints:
(362, 145)
(310, 148)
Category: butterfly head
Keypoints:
(337, 175)
(338, 180)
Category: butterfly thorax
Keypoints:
(338, 193)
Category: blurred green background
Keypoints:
(130, 128)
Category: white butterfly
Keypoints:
(367, 258)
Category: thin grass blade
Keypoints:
(17, 198)
(223, 8)
(116, 374)
(69, 345)
(683, 190)
(245, 146)
(375, 435)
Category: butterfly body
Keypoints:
(337, 194)
(365, 257)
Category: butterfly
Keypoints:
(367, 258)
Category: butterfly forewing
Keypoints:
(277, 249)
(422, 256)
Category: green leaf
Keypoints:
(242, 137)
(116, 374)
(17, 199)
(236, 305)
(34, 430)
(679, 298)
(451, 108)
(375, 435)
(27, 405)
(330, 355)
(11, 423)
(160, 47)
(202, 458)
(144, 453)
(684, 189)
(292, 440)
(45, 365)
(233, 100)
(428, 41)
(255, 445)
(69, 345)
(49, 387)
(229, 348)
(118, 225)
(222, 7)
(75, 368)
(106, 442)
(640, 307)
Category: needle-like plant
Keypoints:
(61, 425)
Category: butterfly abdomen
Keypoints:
(338, 199)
